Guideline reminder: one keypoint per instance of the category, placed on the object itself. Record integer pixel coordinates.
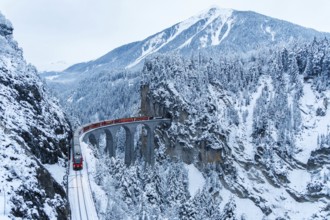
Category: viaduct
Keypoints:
(111, 130)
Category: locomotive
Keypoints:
(77, 158)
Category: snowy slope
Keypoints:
(34, 135)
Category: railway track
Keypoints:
(82, 206)
(77, 187)
(80, 195)
(83, 193)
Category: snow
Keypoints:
(225, 19)
(272, 33)
(4, 207)
(80, 99)
(281, 202)
(70, 99)
(51, 78)
(224, 15)
(312, 125)
(246, 131)
(325, 176)
(196, 179)
(299, 179)
(244, 207)
(203, 40)
(49, 211)
(158, 41)
(186, 43)
(57, 171)
(229, 23)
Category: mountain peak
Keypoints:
(213, 12)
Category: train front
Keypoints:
(77, 161)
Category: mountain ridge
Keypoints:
(214, 27)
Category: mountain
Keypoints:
(216, 28)
(34, 139)
(250, 114)
(214, 32)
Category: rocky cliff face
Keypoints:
(34, 134)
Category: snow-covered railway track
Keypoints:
(83, 193)
(80, 194)
(78, 197)
(82, 212)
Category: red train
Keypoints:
(116, 121)
(77, 161)
(77, 158)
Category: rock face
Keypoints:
(179, 148)
(34, 134)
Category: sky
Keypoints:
(55, 34)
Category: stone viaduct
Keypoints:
(130, 129)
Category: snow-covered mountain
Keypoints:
(214, 32)
(216, 28)
(34, 139)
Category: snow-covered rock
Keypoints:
(34, 134)
(253, 122)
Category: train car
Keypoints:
(108, 122)
(92, 126)
(86, 128)
(143, 118)
(95, 125)
(123, 120)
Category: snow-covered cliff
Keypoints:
(34, 139)
(260, 124)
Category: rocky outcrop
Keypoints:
(34, 132)
(200, 149)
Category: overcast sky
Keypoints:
(57, 33)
